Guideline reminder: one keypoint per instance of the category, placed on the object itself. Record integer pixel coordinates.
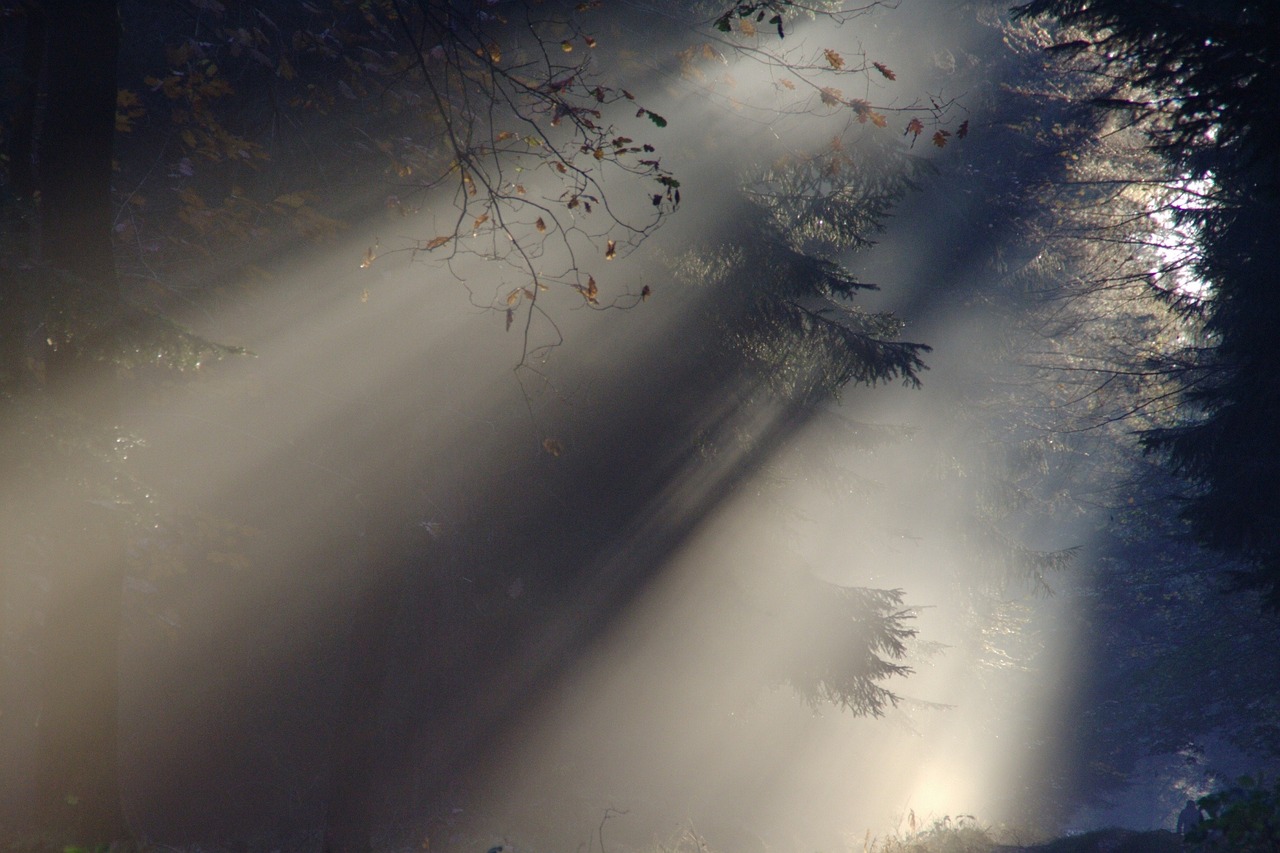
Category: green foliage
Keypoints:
(1243, 819)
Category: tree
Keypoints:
(1199, 78)
(77, 295)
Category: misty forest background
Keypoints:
(445, 424)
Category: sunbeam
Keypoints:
(726, 462)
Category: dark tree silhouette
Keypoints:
(1203, 80)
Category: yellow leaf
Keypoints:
(598, 154)
(748, 29)
(566, 46)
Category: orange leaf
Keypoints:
(480, 220)
(437, 242)
(940, 138)
(914, 126)
(513, 297)
(884, 69)
(591, 291)
(834, 59)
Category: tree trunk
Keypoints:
(78, 779)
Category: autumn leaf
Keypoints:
(611, 250)
(747, 28)
(831, 96)
(550, 445)
(369, 258)
(513, 297)
(591, 291)
(437, 242)
(914, 127)
(540, 225)
(590, 41)
(566, 46)
(787, 84)
(963, 130)
(504, 136)
(884, 70)
(653, 117)
(645, 293)
(511, 317)
(480, 220)
(834, 59)
(877, 119)
(940, 138)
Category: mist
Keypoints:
(551, 569)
